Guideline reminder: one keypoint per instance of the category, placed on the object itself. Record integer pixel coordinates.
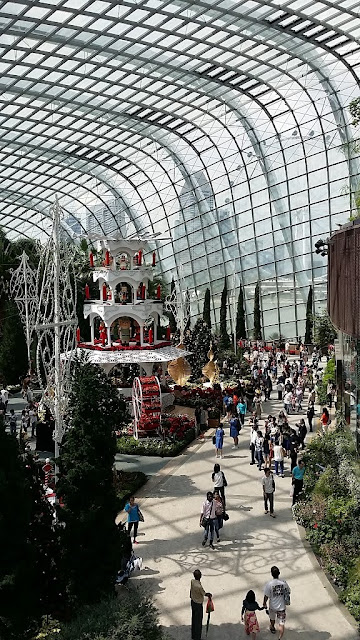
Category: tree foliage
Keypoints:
(240, 316)
(13, 349)
(90, 538)
(224, 342)
(199, 344)
(354, 109)
(309, 317)
(257, 314)
(17, 584)
(206, 310)
(324, 331)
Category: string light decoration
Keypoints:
(56, 324)
(23, 290)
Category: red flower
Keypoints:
(316, 525)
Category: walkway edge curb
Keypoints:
(161, 475)
(325, 579)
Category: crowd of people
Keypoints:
(276, 443)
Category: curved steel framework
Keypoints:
(222, 125)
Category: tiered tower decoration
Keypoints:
(124, 320)
(120, 317)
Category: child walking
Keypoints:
(248, 615)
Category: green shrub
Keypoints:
(154, 446)
(130, 617)
(330, 510)
(127, 483)
(351, 595)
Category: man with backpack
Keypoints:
(277, 593)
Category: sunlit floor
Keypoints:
(251, 542)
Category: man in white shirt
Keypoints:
(253, 436)
(5, 397)
(287, 401)
(277, 592)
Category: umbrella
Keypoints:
(209, 608)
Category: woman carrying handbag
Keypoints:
(134, 517)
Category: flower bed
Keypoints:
(330, 511)
(127, 483)
(193, 396)
(178, 432)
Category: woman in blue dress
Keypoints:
(219, 440)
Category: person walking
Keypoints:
(310, 415)
(208, 519)
(219, 480)
(325, 420)
(13, 422)
(134, 517)
(5, 397)
(258, 404)
(302, 432)
(278, 458)
(241, 410)
(32, 420)
(228, 406)
(297, 475)
(288, 401)
(259, 441)
(219, 440)
(268, 485)
(280, 389)
(197, 594)
(219, 511)
(248, 614)
(235, 430)
(253, 436)
(277, 593)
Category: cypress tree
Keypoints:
(224, 336)
(257, 314)
(240, 317)
(309, 317)
(90, 540)
(199, 345)
(206, 311)
(187, 311)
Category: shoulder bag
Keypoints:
(141, 517)
(224, 479)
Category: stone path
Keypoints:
(170, 544)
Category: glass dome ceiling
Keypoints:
(222, 126)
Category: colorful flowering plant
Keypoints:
(192, 396)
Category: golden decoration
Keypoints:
(179, 369)
(210, 369)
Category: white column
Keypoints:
(141, 335)
(155, 331)
(108, 336)
(92, 329)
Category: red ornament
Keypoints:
(91, 258)
(154, 259)
(140, 258)
(158, 292)
(104, 292)
(78, 335)
(143, 292)
(87, 292)
(107, 258)
(151, 336)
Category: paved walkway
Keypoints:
(170, 544)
